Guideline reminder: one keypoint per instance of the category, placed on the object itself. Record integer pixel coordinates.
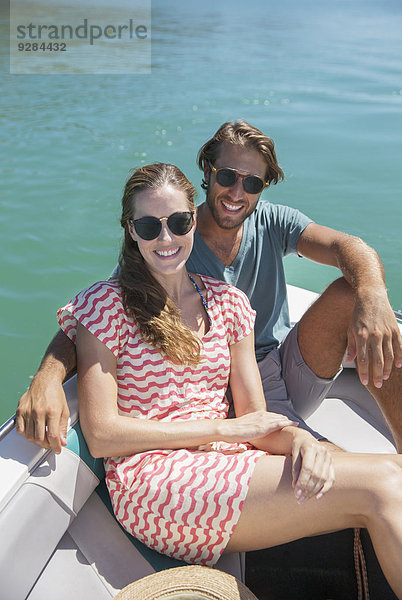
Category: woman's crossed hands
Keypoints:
(312, 468)
(253, 425)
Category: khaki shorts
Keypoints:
(290, 386)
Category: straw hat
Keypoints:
(187, 583)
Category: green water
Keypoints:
(323, 78)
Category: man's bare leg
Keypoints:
(322, 337)
(389, 400)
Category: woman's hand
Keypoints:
(252, 426)
(312, 468)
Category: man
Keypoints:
(243, 242)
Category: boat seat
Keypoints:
(63, 539)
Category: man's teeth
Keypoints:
(167, 252)
(232, 207)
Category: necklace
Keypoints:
(202, 298)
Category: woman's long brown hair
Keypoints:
(144, 298)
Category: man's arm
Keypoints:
(374, 338)
(42, 412)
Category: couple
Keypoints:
(160, 345)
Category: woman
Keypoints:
(156, 350)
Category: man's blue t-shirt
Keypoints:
(270, 233)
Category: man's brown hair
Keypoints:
(242, 134)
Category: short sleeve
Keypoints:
(100, 310)
(238, 316)
(287, 224)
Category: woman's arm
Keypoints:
(109, 434)
(249, 401)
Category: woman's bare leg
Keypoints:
(367, 493)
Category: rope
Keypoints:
(360, 568)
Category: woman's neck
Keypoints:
(177, 286)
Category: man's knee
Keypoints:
(331, 311)
(322, 332)
(341, 294)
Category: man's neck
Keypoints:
(224, 243)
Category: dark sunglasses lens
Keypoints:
(226, 177)
(253, 185)
(180, 223)
(148, 228)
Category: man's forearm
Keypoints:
(60, 359)
(359, 263)
(42, 412)
(373, 337)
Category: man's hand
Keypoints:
(42, 413)
(374, 339)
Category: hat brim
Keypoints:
(187, 583)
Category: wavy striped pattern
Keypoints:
(183, 503)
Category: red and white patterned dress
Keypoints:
(184, 503)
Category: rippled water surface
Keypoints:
(324, 79)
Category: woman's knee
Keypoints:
(386, 486)
(392, 479)
(369, 485)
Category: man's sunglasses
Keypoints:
(149, 228)
(228, 177)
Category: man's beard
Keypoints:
(222, 221)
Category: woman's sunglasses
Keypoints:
(228, 177)
(149, 228)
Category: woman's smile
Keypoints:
(167, 252)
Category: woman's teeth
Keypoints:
(167, 252)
